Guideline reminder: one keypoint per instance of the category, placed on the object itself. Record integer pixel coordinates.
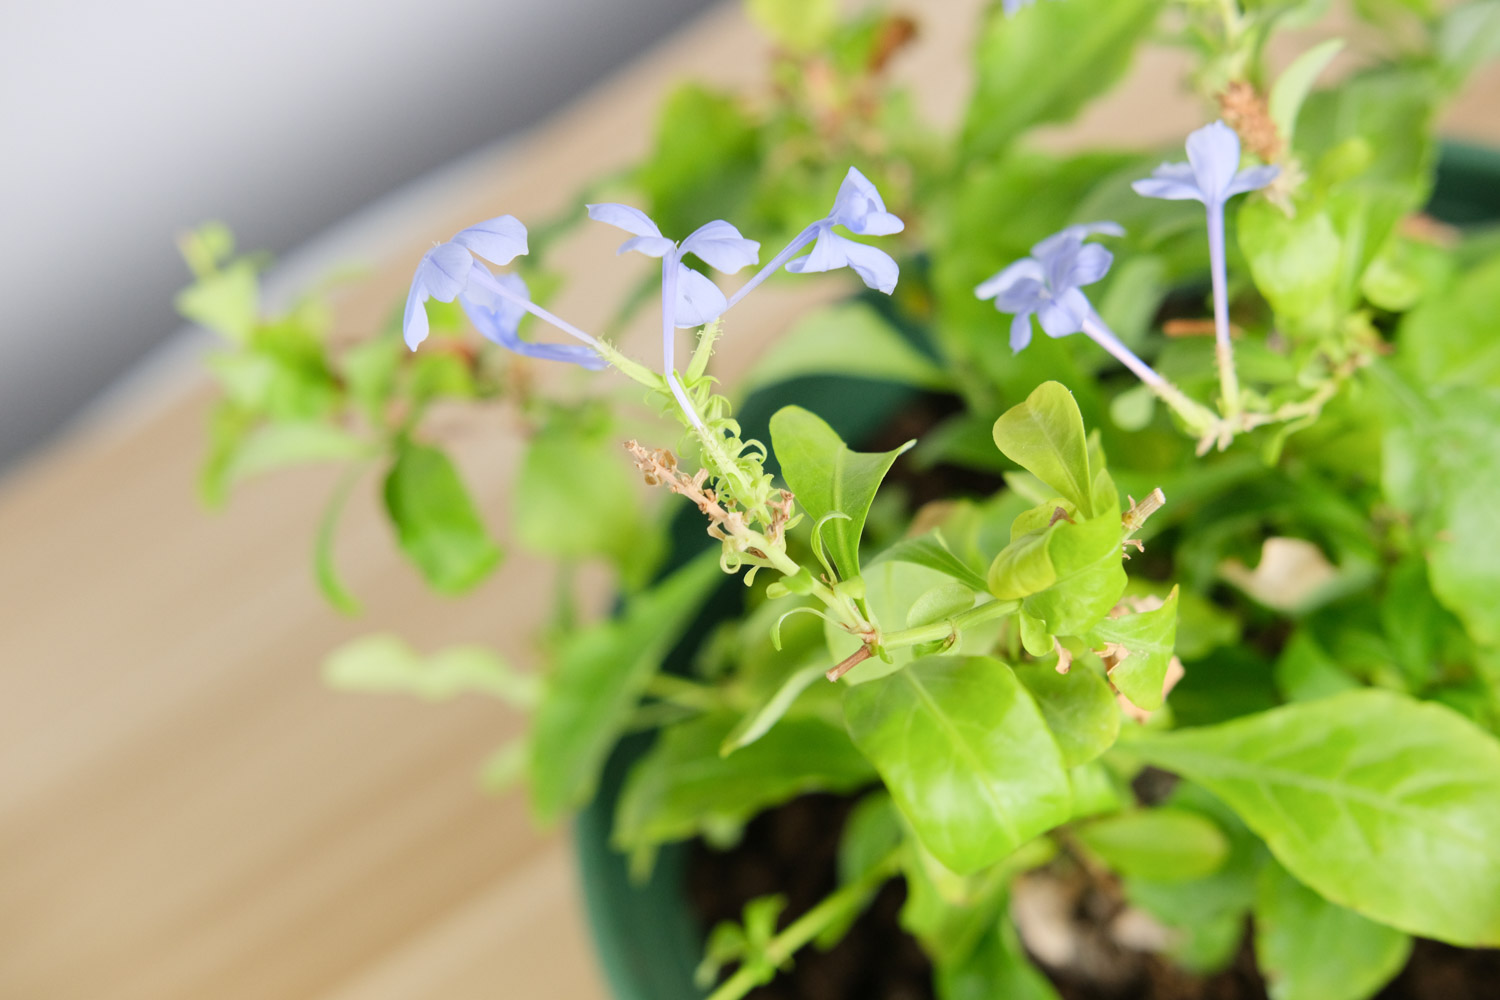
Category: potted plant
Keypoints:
(1176, 620)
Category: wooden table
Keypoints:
(185, 810)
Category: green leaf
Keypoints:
(827, 477)
(1045, 66)
(1295, 262)
(277, 445)
(1385, 805)
(435, 520)
(1149, 637)
(1449, 338)
(683, 787)
(1079, 708)
(1208, 914)
(1044, 435)
(1295, 83)
(1090, 578)
(385, 664)
(226, 302)
(931, 550)
(966, 754)
(848, 340)
(872, 831)
(1311, 949)
(597, 678)
(1443, 467)
(575, 497)
(1167, 845)
(996, 969)
(798, 25)
(759, 720)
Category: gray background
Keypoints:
(123, 122)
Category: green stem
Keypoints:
(681, 691)
(633, 370)
(943, 629)
(808, 926)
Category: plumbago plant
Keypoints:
(977, 633)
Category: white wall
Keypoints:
(124, 121)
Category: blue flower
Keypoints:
(447, 270)
(495, 307)
(718, 244)
(1212, 174)
(858, 208)
(1047, 283)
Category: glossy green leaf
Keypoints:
(1079, 707)
(871, 832)
(1024, 567)
(1295, 262)
(436, 522)
(1148, 637)
(682, 786)
(829, 478)
(1090, 578)
(965, 753)
(1045, 436)
(597, 678)
(1166, 845)
(848, 340)
(1384, 805)
(932, 551)
(387, 665)
(1045, 66)
(1311, 949)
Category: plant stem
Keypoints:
(808, 926)
(1198, 418)
(943, 629)
(1229, 383)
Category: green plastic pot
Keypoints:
(647, 938)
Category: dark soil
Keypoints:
(793, 851)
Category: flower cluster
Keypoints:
(1048, 283)
(454, 270)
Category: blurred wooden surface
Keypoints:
(185, 811)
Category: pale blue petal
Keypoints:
(499, 240)
(1251, 179)
(699, 300)
(1057, 319)
(1087, 266)
(998, 283)
(859, 208)
(1047, 247)
(1168, 188)
(632, 220)
(414, 320)
(1020, 332)
(1024, 296)
(1214, 152)
(651, 246)
(827, 254)
(719, 245)
(875, 267)
(444, 271)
